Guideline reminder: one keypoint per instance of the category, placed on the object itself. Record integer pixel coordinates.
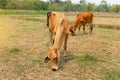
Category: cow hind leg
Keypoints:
(90, 27)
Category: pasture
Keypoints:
(24, 41)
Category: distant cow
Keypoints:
(59, 29)
(82, 18)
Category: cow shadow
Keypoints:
(82, 34)
(64, 60)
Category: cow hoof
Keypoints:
(65, 58)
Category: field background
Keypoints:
(24, 41)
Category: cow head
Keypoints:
(82, 21)
(53, 56)
(71, 29)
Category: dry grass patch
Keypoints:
(92, 57)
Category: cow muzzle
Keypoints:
(54, 68)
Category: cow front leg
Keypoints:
(54, 37)
(79, 29)
(84, 29)
(51, 39)
(65, 45)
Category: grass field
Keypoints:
(24, 41)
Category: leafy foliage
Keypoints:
(103, 6)
(58, 5)
(116, 8)
(22, 12)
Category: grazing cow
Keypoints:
(82, 18)
(59, 28)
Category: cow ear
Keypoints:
(47, 59)
(48, 14)
(54, 14)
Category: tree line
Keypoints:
(58, 5)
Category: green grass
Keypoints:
(22, 12)
(112, 75)
(116, 38)
(86, 57)
(37, 60)
(14, 35)
(29, 29)
(32, 19)
(35, 19)
(14, 50)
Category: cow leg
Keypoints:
(54, 37)
(84, 29)
(65, 45)
(90, 27)
(79, 29)
(51, 39)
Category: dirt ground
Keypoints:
(24, 41)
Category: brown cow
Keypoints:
(59, 29)
(82, 18)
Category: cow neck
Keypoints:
(58, 37)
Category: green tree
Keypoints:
(57, 1)
(8, 4)
(99, 8)
(55, 7)
(3, 3)
(91, 7)
(40, 5)
(28, 4)
(103, 6)
(116, 8)
(69, 5)
(83, 5)
(75, 7)
(50, 1)
(17, 4)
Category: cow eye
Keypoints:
(56, 59)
